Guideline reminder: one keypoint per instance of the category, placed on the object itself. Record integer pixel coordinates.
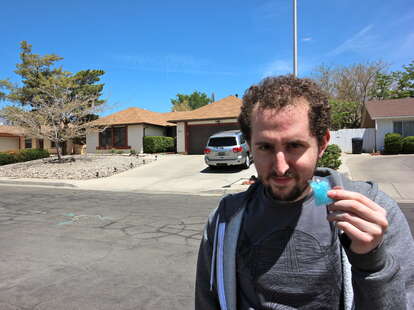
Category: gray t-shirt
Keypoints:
(288, 256)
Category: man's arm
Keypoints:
(383, 277)
(206, 298)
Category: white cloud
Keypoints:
(277, 67)
(307, 39)
(361, 42)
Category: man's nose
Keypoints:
(281, 165)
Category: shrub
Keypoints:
(157, 144)
(7, 158)
(408, 145)
(31, 154)
(12, 157)
(132, 152)
(330, 158)
(120, 152)
(392, 143)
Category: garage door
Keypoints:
(9, 143)
(199, 134)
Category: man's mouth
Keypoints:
(281, 180)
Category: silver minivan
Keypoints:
(227, 148)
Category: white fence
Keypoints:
(343, 138)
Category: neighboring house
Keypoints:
(126, 129)
(195, 127)
(394, 115)
(13, 138)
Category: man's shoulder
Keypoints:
(232, 203)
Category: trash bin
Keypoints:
(357, 145)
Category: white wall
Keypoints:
(180, 137)
(92, 140)
(9, 144)
(343, 138)
(383, 126)
(135, 135)
(154, 130)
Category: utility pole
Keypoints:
(295, 39)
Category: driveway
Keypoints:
(393, 173)
(174, 174)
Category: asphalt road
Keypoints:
(66, 249)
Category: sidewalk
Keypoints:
(393, 178)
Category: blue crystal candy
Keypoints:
(320, 192)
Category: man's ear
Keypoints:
(324, 143)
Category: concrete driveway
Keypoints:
(174, 174)
(393, 173)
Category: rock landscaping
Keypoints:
(76, 167)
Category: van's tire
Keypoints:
(247, 163)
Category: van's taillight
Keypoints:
(207, 151)
(237, 149)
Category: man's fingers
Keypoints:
(357, 222)
(355, 208)
(340, 194)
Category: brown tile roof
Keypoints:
(228, 107)
(134, 116)
(11, 130)
(390, 108)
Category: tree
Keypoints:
(193, 101)
(349, 83)
(61, 118)
(345, 114)
(46, 90)
(349, 87)
(397, 84)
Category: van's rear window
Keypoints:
(222, 141)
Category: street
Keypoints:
(66, 249)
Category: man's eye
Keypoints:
(264, 147)
(295, 145)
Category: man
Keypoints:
(272, 247)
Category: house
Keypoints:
(126, 129)
(394, 115)
(195, 127)
(14, 138)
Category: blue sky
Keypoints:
(152, 50)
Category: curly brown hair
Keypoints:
(280, 91)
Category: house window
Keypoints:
(27, 143)
(40, 144)
(105, 138)
(52, 144)
(119, 136)
(404, 128)
(113, 137)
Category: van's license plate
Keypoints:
(221, 153)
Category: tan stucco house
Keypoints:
(125, 129)
(14, 138)
(394, 115)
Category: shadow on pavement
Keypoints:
(223, 170)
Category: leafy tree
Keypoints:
(193, 101)
(52, 103)
(345, 114)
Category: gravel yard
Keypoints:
(75, 167)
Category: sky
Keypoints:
(152, 50)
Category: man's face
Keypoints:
(284, 151)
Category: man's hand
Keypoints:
(363, 221)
